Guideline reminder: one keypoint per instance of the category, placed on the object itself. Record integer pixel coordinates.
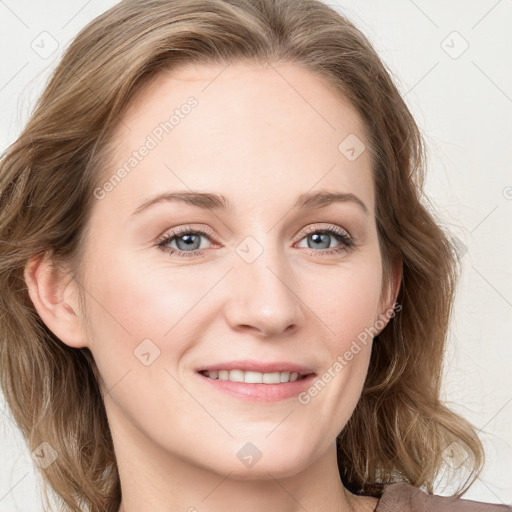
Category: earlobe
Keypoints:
(53, 292)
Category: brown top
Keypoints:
(403, 497)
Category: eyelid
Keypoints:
(315, 227)
(188, 228)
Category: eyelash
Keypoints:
(347, 243)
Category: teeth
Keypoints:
(253, 377)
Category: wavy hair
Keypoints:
(399, 428)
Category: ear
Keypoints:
(391, 291)
(53, 291)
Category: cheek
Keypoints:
(347, 302)
(348, 310)
(142, 299)
(135, 300)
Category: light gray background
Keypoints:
(462, 100)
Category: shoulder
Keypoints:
(403, 497)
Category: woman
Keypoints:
(172, 338)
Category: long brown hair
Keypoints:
(400, 428)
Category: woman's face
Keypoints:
(266, 280)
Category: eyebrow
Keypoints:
(211, 201)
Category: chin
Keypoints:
(263, 471)
(249, 463)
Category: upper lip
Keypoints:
(258, 366)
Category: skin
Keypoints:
(260, 135)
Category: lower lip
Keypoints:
(260, 392)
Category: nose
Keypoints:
(264, 296)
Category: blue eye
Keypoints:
(188, 241)
(319, 237)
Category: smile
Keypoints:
(257, 386)
(251, 377)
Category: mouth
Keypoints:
(252, 377)
(279, 381)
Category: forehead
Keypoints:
(231, 128)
